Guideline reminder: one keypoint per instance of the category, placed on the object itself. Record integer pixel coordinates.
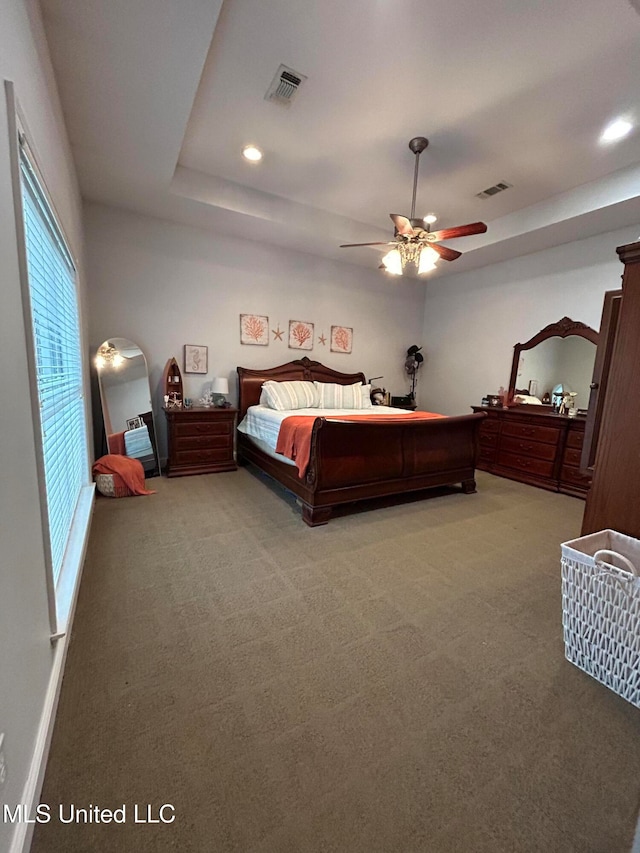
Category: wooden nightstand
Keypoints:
(200, 441)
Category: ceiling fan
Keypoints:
(414, 244)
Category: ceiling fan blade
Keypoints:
(403, 226)
(460, 231)
(352, 245)
(445, 252)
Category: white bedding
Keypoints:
(263, 424)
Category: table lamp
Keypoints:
(219, 390)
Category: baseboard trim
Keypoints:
(21, 841)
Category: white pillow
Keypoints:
(334, 396)
(285, 396)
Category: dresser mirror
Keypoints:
(125, 397)
(557, 361)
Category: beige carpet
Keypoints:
(394, 681)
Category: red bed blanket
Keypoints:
(130, 472)
(294, 437)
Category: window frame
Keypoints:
(61, 591)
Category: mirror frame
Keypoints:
(562, 329)
(151, 423)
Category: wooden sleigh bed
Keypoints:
(358, 461)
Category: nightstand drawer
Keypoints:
(528, 448)
(202, 442)
(204, 428)
(202, 457)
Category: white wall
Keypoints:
(27, 658)
(164, 285)
(473, 320)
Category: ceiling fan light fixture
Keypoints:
(427, 261)
(252, 153)
(411, 246)
(108, 356)
(392, 262)
(616, 130)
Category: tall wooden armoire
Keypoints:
(614, 498)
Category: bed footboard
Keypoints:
(358, 461)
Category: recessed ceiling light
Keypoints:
(251, 153)
(430, 218)
(616, 130)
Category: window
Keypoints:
(57, 346)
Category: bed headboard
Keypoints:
(250, 381)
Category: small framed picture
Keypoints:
(195, 358)
(135, 423)
(341, 339)
(300, 334)
(254, 330)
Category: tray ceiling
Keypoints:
(160, 97)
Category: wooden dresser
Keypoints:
(200, 441)
(533, 445)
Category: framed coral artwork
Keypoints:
(341, 339)
(300, 335)
(254, 330)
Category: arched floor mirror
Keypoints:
(125, 397)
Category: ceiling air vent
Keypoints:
(494, 190)
(284, 85)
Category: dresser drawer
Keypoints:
(488, 440)
(202, 457)
(489, 425)
(202, 442)
(548, 435)
(526, 447)
(575, 438)
(572, 457)
(526, 464)
(487, 455)
(217, 427)
(573, 475)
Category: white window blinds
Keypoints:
(58, 361)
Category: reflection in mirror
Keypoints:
(126, 402)
(555, 367)
(557, 361)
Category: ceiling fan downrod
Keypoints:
(417, 145)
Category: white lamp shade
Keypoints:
(220, 385)
(393, 262)
(428, 258)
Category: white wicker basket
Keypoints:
(601, 609)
